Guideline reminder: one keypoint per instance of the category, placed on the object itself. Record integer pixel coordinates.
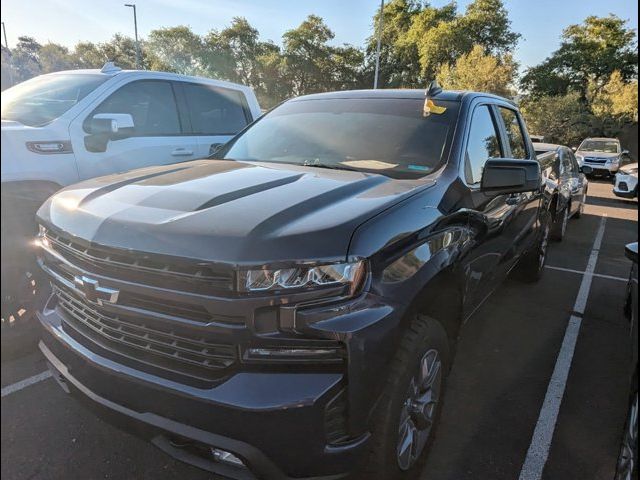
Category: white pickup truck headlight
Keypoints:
(303, 276)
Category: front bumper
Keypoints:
(602, 169)
(273, 422)
(626, 186)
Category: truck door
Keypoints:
(215, 114)
(157, 137)
(489, 213)
(522, 228)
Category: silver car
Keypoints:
(604, 155)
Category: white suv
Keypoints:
(60, 128)
(604, 155)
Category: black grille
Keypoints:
(599, 161)
(623, 187)
(149, 344)
(143, 268)
(335, 419)
(170, 308)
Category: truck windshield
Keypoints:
(603, 146)
(40, 100)
(390, 136)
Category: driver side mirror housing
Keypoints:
(505, 176)
(104, 127)
(111, 123)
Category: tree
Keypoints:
(418, 39)
(7, 71)
(481, 72)
(24, 59)
(347, 68)
(589, 53)
(175, 49)
(307, 56)
(237, 54)
(617, 99)
(399, 62)
(53, 58)
(562, 119)
(88, 55)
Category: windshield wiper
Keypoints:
(331, 166)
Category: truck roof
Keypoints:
(451, 95)
(547, 146)
(150, 74)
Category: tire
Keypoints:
(580, 210)
(531, 265)
(627, 467)
(424, 342)
(559, 227)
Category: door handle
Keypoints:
(182, 152)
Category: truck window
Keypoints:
(514, 133)
(482, 145)
(41, 100)
(152, 105)
(388, 136)
(566, 167)
(214, 111)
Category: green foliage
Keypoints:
(418, 39)
(616, 99)
(175, 49)
(562, 119)
(589, 52)
(481, 72)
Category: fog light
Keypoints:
(222, 456)
(296, 354)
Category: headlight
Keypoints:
(580, 158)
(303, 277)
(613, 161)
(629, 171)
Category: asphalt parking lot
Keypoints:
(500, 389)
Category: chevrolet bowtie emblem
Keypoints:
(93, 292)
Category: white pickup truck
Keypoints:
(60, 128)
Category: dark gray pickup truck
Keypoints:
(289, 307)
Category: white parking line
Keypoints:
(15, 387)
(543, 434)
(598, 275)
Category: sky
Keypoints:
(68, 21)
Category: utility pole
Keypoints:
(6, 44)
(380, 23)
(135, 26)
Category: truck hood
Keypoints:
(237, 213)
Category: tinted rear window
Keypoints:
(215, 111)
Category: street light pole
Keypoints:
(6, 44)
(135, 26)
(380, 23)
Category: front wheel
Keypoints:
(559, 227)
(532, 263)
(405, 420)
(580, 212)
(627, 468)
